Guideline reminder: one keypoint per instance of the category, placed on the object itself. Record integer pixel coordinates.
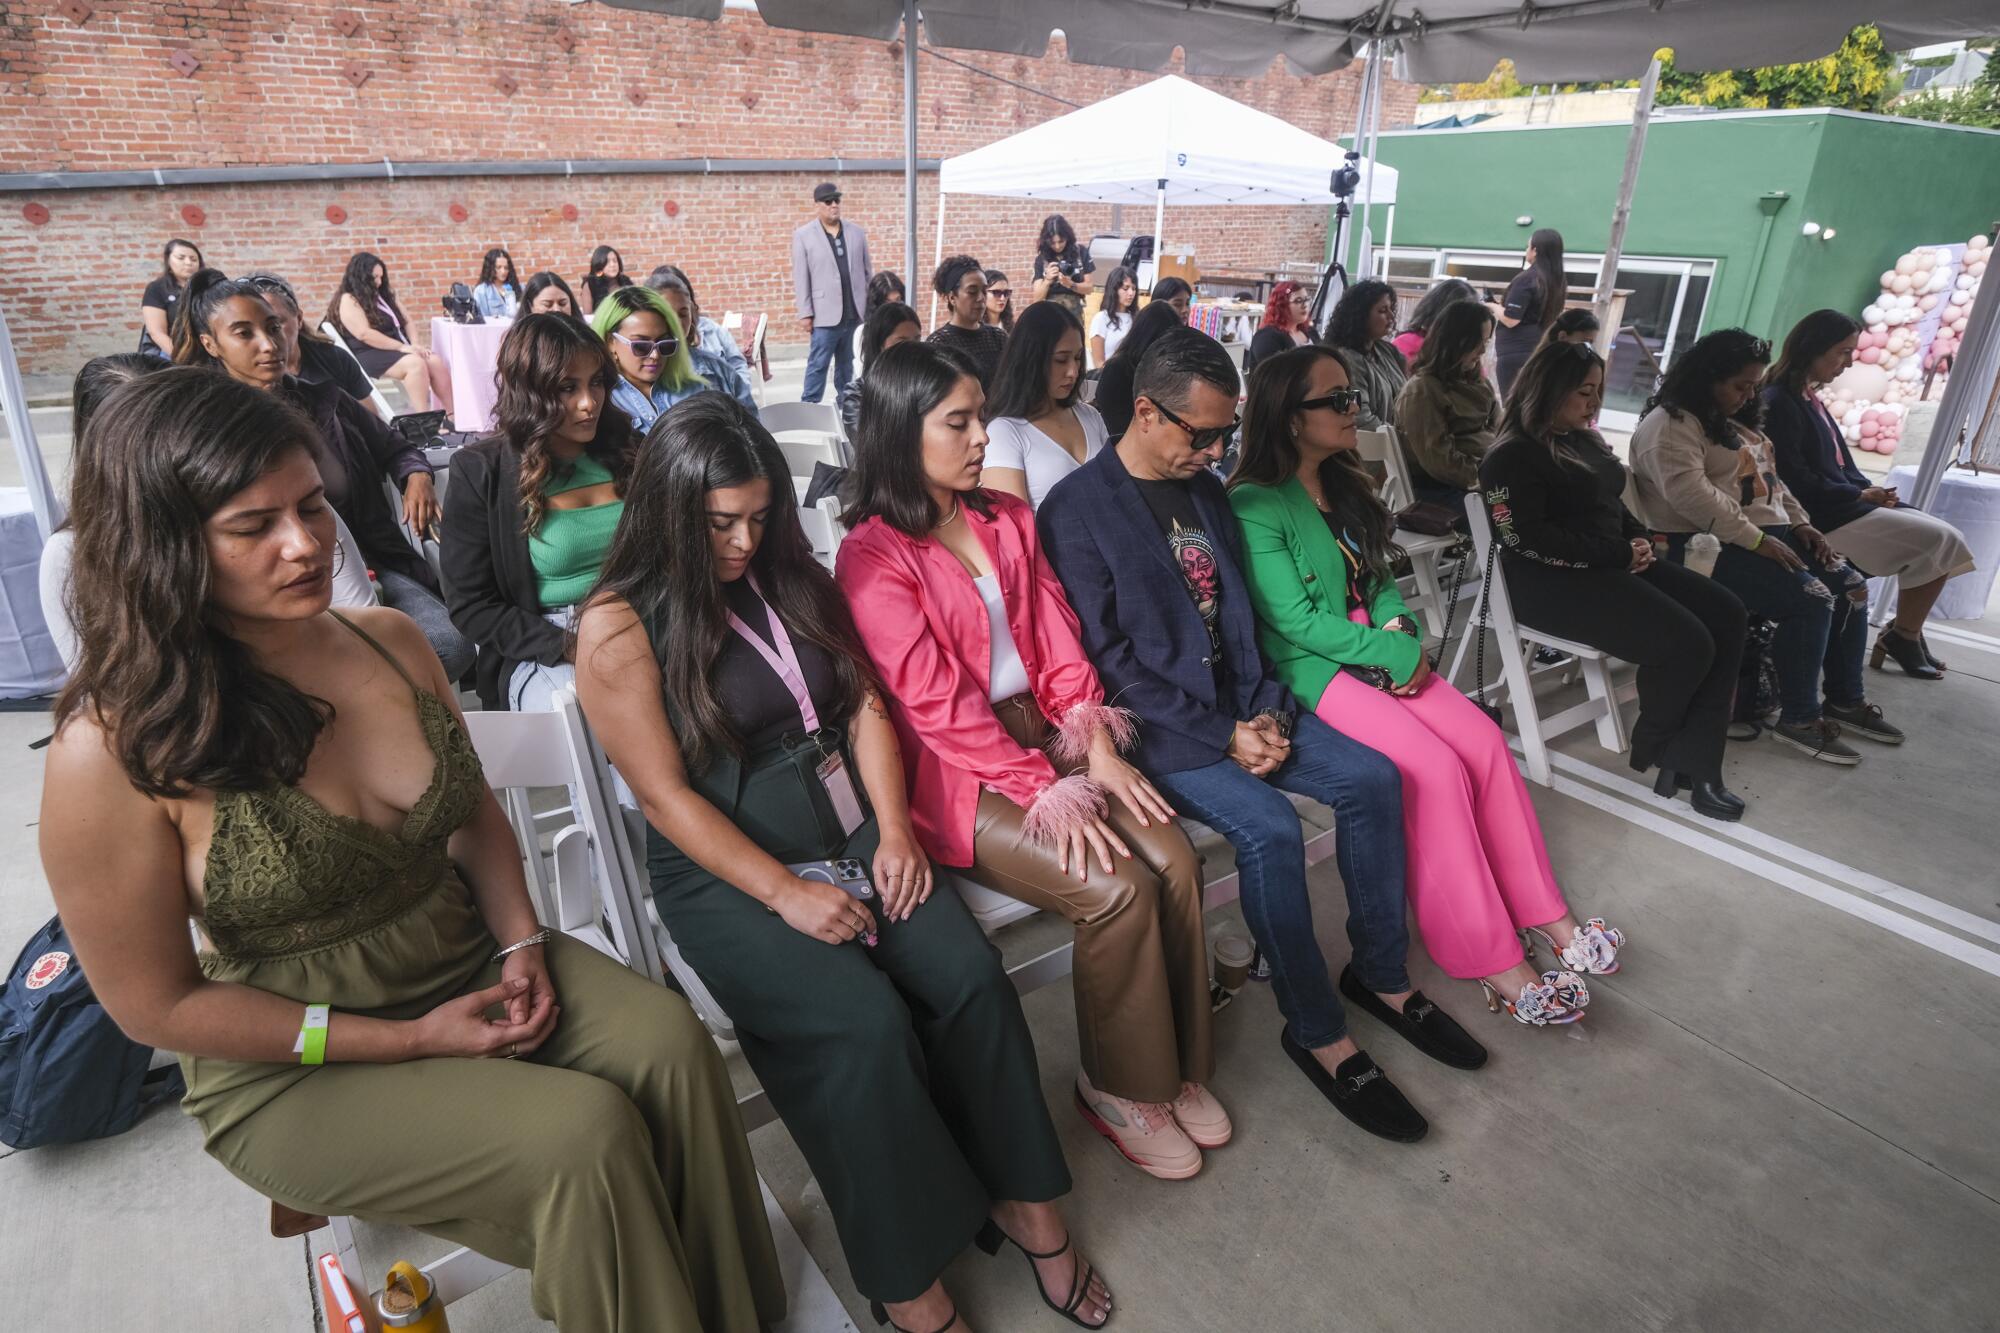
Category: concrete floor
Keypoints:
(1779, 1116)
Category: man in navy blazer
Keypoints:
(1149, 553)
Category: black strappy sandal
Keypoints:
(882, 1317)
(989, 1238)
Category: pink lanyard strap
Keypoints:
(1826, 417)
(784, 660)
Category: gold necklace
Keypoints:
(1319, 501)
(950, 518)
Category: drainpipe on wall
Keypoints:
(1770, 202)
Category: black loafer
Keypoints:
(1360, 1091)
(1422, 1024)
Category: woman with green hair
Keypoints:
(655, 367)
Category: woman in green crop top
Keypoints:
(376, 1026)
(531, 509)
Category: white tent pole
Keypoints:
(1388, 240)
(910, 133)
(1371, 114)
(49, 510)
(938, 259)
(1159, 223)
(1621, 213)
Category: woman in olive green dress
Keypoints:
(300, 782)
(720, 667)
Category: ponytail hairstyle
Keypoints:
(1566, 326)
(534, 360)
(167, 258)
(206, 291)
(1810, 339)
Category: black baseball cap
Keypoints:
(826, 193)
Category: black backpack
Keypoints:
(66, 1072)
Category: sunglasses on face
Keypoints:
(1342, 401)
(1200, 438)
(645, 347)
(1002, 294)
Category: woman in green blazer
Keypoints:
(1318, 556)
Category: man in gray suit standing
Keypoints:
(830, 272)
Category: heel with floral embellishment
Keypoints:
(1592, 950)
(1558, 998)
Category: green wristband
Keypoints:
(311, 1045)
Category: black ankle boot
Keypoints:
(1716, 801)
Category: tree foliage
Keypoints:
(1977, 104)
(1859, 76)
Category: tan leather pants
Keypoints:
(1141, 969)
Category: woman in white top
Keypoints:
(1110, 324)
(1037, 431)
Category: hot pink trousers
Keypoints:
(1478, 870)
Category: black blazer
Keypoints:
(489, 582)
(1813, 462)
(369, 452)
(1140, 627)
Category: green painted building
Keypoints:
(1718, 234)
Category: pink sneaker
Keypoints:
(1201, 1117)
(1145, 1132)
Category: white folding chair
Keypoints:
(1426, 553)
(808, 433)
(823, 529)
(1517, 690)
(375, 394)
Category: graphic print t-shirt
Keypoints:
(1172, 503)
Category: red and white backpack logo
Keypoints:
(46, 969)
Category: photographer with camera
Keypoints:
(1062, 269)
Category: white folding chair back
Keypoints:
(623, 833)
(733, 320)
(1604, 696)
(822, 531)
(808, 433)
(375, 394)
(1427, 595)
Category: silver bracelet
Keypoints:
(539, 937)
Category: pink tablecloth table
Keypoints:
(470, 352)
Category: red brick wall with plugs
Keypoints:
(98, 85)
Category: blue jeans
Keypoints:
(1822, 634)
(1366, 793)
(425, 607)
(836, 345)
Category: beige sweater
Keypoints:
(1684, 482)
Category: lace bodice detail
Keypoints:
(286, 876)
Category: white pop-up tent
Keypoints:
(1165, 142)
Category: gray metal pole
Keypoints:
(910, 140)
(1614, 247)
(1371, 120)
(1966, 393)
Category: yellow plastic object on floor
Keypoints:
(408, 1302)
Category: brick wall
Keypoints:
(283, 83)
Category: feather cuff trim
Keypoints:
(1070, 746)
(1062, 807)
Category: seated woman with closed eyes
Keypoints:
(718, 664)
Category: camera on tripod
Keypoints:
(1346, 178)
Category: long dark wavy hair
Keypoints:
(534, 357)
(1810, 339)
(96, 381)
(206, 291)
(661, 564)
(904, 385)
(489, 267)
(182, 703)
(1348, 326)
(1569, 323)
(1548, 266)
(1546, 379)
(1119, 313)
(1688, 387)
(358, 282)
(1054, 225)
(1267, 456)
(1021, 383)
(1459, 332)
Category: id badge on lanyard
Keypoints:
(783, 660)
